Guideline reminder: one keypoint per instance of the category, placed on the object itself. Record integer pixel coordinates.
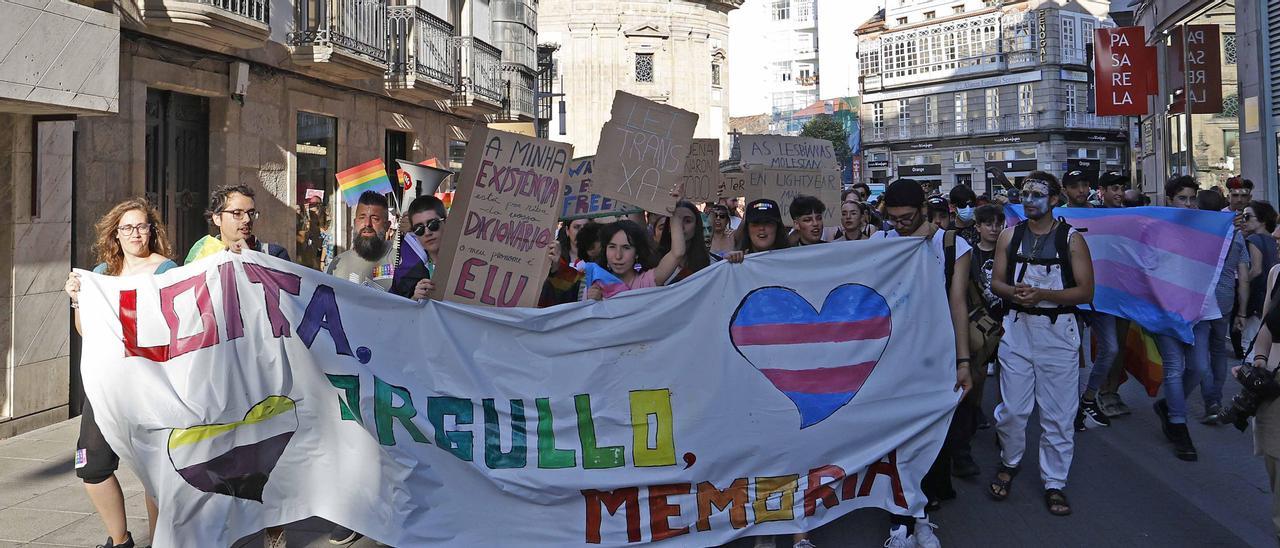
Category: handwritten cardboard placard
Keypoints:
(783, 185)
(734, 185)
(504, 212)
(702, 170)
(642, 152)
(783, 152)
(580, 202)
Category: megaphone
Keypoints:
(426, 179)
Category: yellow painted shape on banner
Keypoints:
(270, 407)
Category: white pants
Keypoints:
(1039, 366)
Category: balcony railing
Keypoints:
(480, 69)
(1093, 121)
(256, 10)
(420, 43)
(356, 26)
(964, 128)
(519, 93)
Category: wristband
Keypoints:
(1259, 357)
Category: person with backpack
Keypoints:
(904, 208)
(985, 329)
(1043, 271)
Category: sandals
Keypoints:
(999, 489)
(1055, 498)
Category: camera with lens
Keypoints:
(1259, 387)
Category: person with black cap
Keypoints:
(1043, 271)
(939, 211)
(1111, 186)
(763, 231)
(904, 202)
(1076, 185)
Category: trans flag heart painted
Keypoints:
(819, 359)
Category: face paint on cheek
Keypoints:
(1040, 205)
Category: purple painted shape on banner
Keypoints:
(273, 281)
(322, 312)
(231, 300)
(241, 472)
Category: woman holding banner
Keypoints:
(129, 240)
(764, 230)
(696, 256)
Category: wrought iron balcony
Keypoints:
(1093, 121)
(346, 38)
(481, 87)
(214, 24)
(422, 58)
(519, 96)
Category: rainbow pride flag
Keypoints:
(1142, 358)
(371, 175)
(1156, 266)
(204, 247)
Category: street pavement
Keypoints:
(1126, 488)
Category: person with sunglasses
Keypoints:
(232, 212)
(1256, 222)
(905, 209)
(1043, 272)
(421, 246)
(721, 233)
(130, 240)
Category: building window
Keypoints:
(317, 164)
(902, 20)
(1026, 106)
(928, 15)
(1229, 47)
(783, 70)
(1113, 153)
(877, 120)
(644, 67)
(1069, 45)
(1086, 33)
(1073, 91)
(990, 3)
(1230, 107)
(457, 152)
(957, 10)
(781, 10)
(715, 74)
(961, 112)
(962, 157)
(931, 115)
(993, 109)
(904, 117)
(804, 10)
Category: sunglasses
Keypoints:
(432, 225)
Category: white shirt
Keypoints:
(962, 246)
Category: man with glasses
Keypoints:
(904, 202)
(231, 210)
(371, 259)
(1239, 194)
(1043, 272)
(420, 249)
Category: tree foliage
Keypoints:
(823, 126)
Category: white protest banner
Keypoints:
(783, 185)
(494, 247)
(750, 399)
(642, 151)
(702, 170)
(580, 202)
(784, 152)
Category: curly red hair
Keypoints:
(107, 246)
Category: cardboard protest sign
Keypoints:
(702, 170)
(580, 202)
(783, 185)
(642, 152)
(735, 185)
(783, 152)
(503, 218)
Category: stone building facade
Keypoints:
(950, 89)
(671, 52)
(197, 94)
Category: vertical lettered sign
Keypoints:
(1120, 59)
(494, 247)
(1204, 69)
(642, 152)
(702, 170)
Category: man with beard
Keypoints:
(1043, 272)
(371, 259)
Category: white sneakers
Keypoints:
(922, 536)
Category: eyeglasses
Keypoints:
(1247, 217)
(719, 215)
(905, 220)
(240, 214)
(141, 228)
(432, 225)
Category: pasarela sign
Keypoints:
(1121, 62)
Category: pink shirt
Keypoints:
(641, 281)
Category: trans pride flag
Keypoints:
(609, 284)
(1156, 266)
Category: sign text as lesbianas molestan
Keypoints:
(502, 220)
(642, 152)
(784, 152)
